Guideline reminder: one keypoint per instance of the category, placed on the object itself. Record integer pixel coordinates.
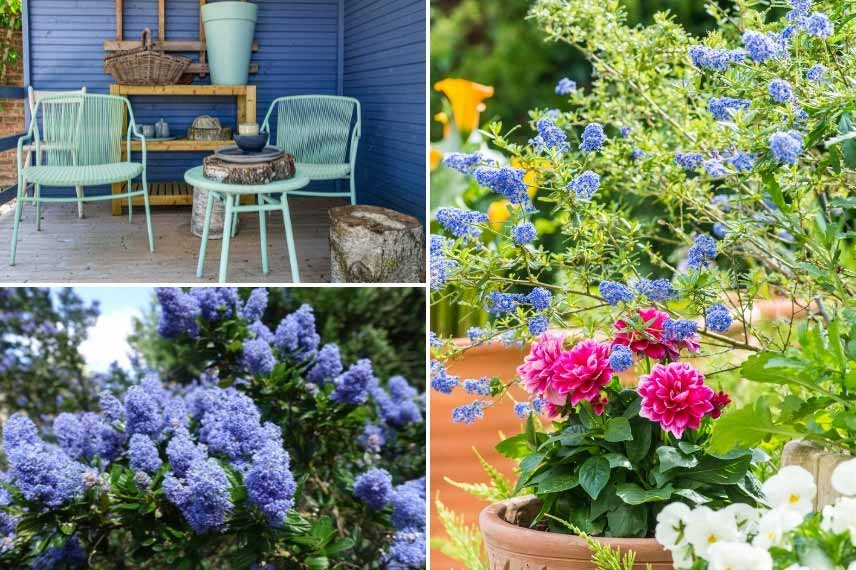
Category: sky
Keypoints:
(108, 338)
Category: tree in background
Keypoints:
(387, 326)
(481, 41)
(41, 369)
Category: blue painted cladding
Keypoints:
(384, 67)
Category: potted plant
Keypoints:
(730, 149)
(229, 29)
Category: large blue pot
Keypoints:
(229, 28)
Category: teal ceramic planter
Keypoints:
(229, 28)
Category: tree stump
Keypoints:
(375, 245)
(218, 215)
(820, 463)
(218, 169)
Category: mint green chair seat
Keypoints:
(77, 141)
(82, 175)
(324, 171)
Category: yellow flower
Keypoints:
(497, 213)
(530, 178)
(443, 119)
(436, 157)
(467, 101)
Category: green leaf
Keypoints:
(638, 447)
(618, 429)
(616, 460)
(633, 494)
(318, 563)
(747, 427)
(848, 147)
(514, 447)
(558, 484)
(671, 457)
(721, 471)
(692, 495)
(628, 521)
(593, 475)
(531, 432)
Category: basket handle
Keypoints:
(147, 38)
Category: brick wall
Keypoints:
(11, 113)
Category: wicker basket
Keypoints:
(145, 66)
(206, 128)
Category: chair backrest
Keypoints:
(317, 129)
(79, 129)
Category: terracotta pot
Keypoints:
(820, 463)
(514, 547)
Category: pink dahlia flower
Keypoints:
(581, 372)
(675, 396)
(650, 341)
(537, 368)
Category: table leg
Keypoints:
(289, 239)
(263, 233)
(227, 235)
(209, 207)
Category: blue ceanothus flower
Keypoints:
(296, 336)
(786, 146)
(566, 86)
(523, 233)
(461, 223)
(353, 385)
(374, 488)
(592, 138)
(328, 365)
(614, 292)
(255, 306)
(257, 357)
(143, 454)
(585, 185)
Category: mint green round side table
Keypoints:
(231, 195)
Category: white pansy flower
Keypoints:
(841, 518)
(792, 487)
(739, 556)
(705, 527)
(852, 566)
(682, 557)
(670, 523)
(773, 526)
(844, 478)
(745, 516)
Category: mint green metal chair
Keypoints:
(322, 132)
(77, 141)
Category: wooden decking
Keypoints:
(102, 248)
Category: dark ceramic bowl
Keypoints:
(251, 143)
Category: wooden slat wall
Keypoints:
(384, 67)
(298, 55)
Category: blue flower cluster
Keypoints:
(507, 181)
(786, 146)
(468, 413)
(818, 25)
(592, 138)
(296, 336)
(216, 303)
(441, 381)
(401, 405)
(522, 409)
(256, 304)
(538, 325)
(614, 292)
(441, 265)
(679, 329)
(327, 366)
(258, 357)
(762, 47)
(374, 488)
(479, 387)
(780, 91)
(463, 163)
(719, 230)
(816, 72)
(550, 137)
(461, 223)
(178, 313)
(704, 57)
(722, 108)
(620, 358)
(143, 454)
(566, 86)
(688, 160)
(373, 438)
(524, 233)
(702, 252)
(353, 385)
(715, 168)
(656, 290)
(585, 185)
(718, 318)
(539, 298)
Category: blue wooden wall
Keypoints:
(384, 67)
(357, 47)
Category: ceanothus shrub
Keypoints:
(254, 464)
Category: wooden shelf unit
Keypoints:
(177, 193)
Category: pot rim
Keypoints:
(229, 10)
(506, 536)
